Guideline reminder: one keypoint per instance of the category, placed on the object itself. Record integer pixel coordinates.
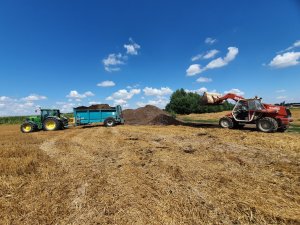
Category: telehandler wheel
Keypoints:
(267, 124)
(27, 127)
(109, 122)
(51, 124)
(226, 122)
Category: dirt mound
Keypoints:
(163, 119)
(96, 106)
(148, 115)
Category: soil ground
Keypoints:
(149, 175)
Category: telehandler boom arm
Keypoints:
(229, 96)
(215, 98)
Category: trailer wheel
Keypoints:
(109, 122)
(226, 122)
(267, 124)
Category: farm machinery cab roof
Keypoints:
(267, 117)
(49, 120)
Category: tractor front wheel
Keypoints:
(51, 124)
(267, 124)
(226, 122)
(27, 127)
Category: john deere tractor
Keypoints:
(49, 120)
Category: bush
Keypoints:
(182, 102)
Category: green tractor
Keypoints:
(49, 120)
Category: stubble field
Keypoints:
(149, 175)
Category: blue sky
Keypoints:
(68, 53)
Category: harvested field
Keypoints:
(149, 175)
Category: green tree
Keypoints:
(182, 102)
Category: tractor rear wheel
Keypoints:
(27, 127)
(51, 124)
(226, 122)
(267, 124)
(109, 122)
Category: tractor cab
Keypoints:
(49, 112)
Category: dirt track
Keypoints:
(149, 175)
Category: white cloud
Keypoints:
(121, 102)
(235, 91)
(193, 69)
(204, 80)
(122, 96)
(281, 91)
(112, 62)
(160, 96)
(160, 102)
(196, 57)
(106, 83)
(4, 98)
(132, 48)
(132, 86)
(94, 103)
(216, 63)
(210, 40)
(210, 54)
(220, 62)
(199, 91)
(285, 60)
(295, 45)
(149, 91)
(281, 97)
(66, 107)
(34, 97)
(11, 106)
(75, 95)
(141, 104)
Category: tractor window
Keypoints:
(252, 105)
(241, 110)
(255, 105)
(55, 113)
(242, 106)
(45, 113)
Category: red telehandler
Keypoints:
(267, 117)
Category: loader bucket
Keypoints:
(211, 98)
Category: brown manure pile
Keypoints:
(148, 115)
(96, 106)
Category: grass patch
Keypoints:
(12, 119)
(294, 128)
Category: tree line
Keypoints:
(182, 102)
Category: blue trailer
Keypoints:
(110, 116)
